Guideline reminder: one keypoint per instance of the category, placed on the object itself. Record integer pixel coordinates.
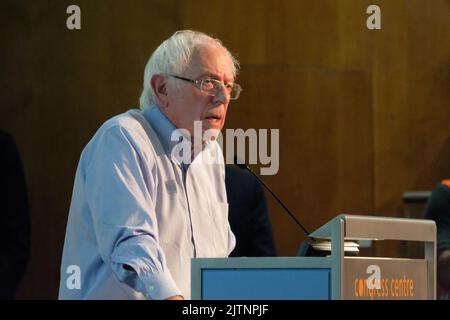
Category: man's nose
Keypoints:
(222, 96)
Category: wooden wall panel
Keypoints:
(324, 118)
(411, 101)
(287, 32)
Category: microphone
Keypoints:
(241, 164)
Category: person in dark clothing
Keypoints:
(438, 209)
(248, 215)
(14, 219)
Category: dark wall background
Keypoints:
(363, 115)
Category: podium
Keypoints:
(335, 276)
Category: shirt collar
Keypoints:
(162, 126)
(164, 129)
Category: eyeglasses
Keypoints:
(212, 87)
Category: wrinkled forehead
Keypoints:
(211, 60)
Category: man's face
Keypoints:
(186, 103)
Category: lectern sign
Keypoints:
(384, 278)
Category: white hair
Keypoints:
(173, 57)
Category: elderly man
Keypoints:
(138, 213)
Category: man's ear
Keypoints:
(159, 83)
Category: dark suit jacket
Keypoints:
(14, 218)
(438, 209)
(248, 215)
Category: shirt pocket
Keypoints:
(219, 217)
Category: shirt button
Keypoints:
(151, 288)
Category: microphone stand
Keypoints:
(246, 167)
(313, 246)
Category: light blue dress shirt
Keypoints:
(137, 217)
